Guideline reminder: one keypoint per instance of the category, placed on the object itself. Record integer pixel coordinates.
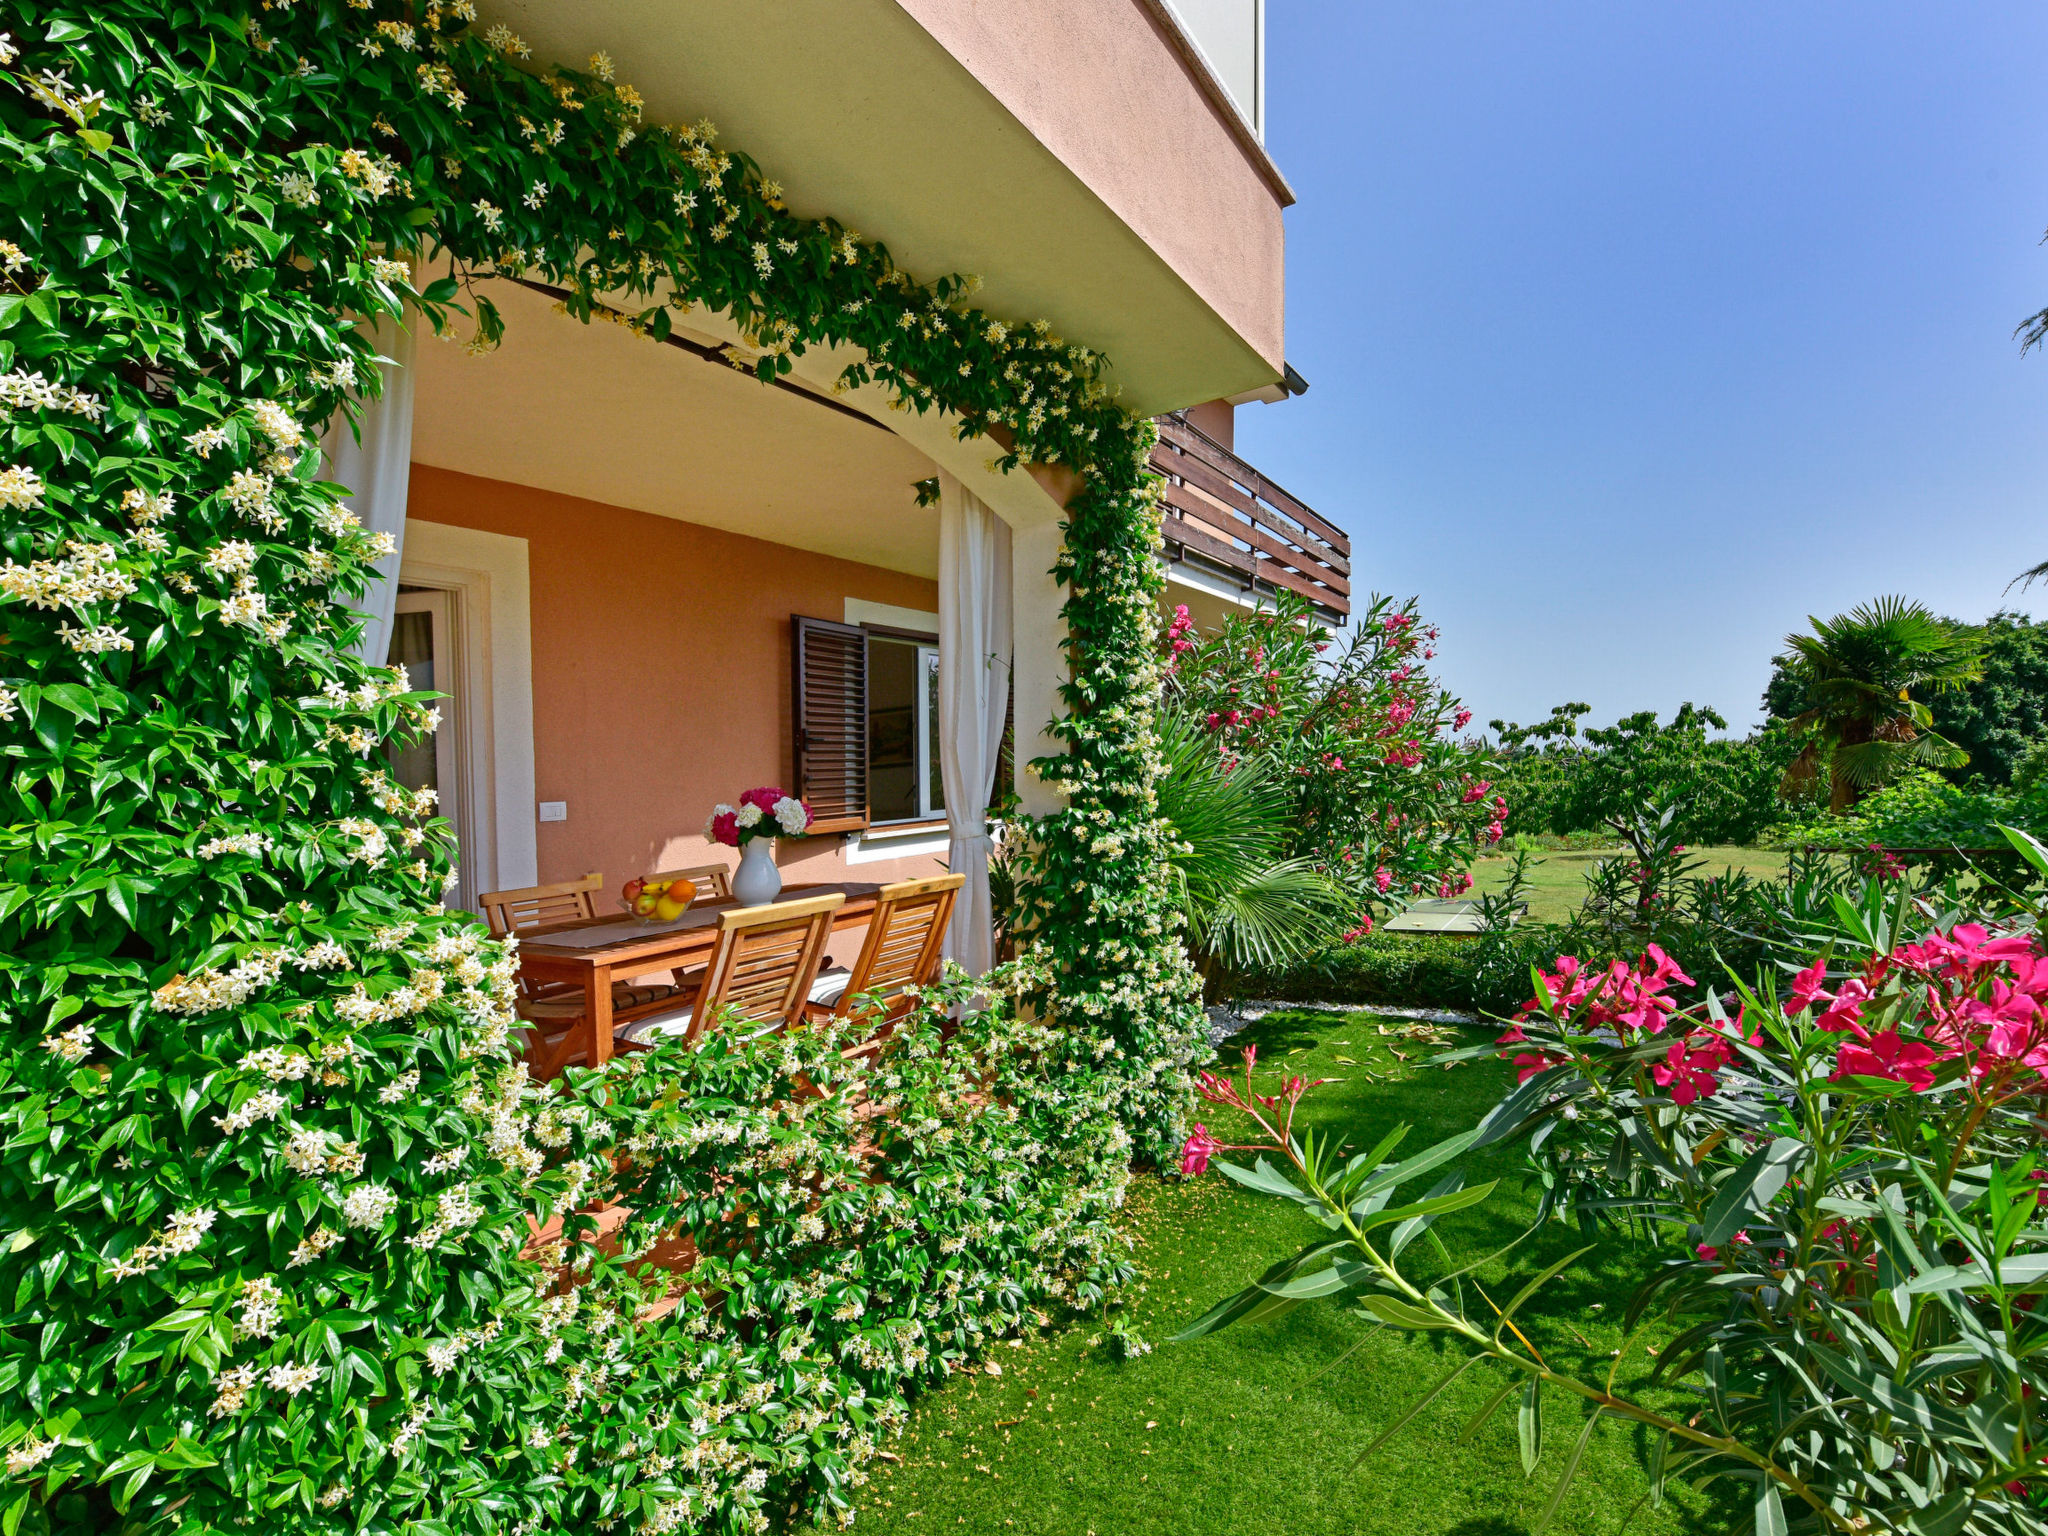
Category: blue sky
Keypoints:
(1636, 333)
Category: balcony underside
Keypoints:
(1133, 222)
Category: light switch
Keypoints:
(554, 810)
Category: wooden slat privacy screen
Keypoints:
(830, 672)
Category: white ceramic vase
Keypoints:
(757, 881)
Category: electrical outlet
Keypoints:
(554, 810)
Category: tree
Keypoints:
(1995, 719)
(1855, 676)
(1561, 779)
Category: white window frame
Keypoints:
(897, 839)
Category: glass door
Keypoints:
(422, 641)
(932, 800)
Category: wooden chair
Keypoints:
(713, 881)
(563, 902)
(901, 951)
(762, 967)
(555, 1005)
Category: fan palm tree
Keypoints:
(1246, 904)
(1857, 673)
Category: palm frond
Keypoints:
(1280, 913)
(1244, 902)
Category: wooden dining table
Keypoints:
(593, 952)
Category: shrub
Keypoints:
(1385, 796)
(1832, 1190)
(1926, 810)
(1485, 974)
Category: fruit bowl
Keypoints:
(657, 900)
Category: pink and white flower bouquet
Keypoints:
(764, 812)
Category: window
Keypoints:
(866, 725)
(904, 782)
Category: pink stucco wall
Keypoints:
(661, 672)
(1100, 84)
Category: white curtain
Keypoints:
(974, 686)
(376, 466)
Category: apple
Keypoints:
(631, 891)
(644, 905)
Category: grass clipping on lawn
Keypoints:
(1237, 1434)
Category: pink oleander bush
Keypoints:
(1831, 1179)
(1386, 797)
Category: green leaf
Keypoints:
(1402, 1314)
(1934, 1421)
(1571, 1470)
(1539, 1282)
(74, 697)
(441, 290)
(1529, 1425)
(1268, 1180)
(1421, 1163)
(1749, 1190)
(1770, 1510)
(1486, 1411)
(1258, 1300)
(95, 140)
(43, 305)
(2021, 1270)
(1457, 1200)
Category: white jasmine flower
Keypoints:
(367, 1205)
(74, 1045)
(292, 1379)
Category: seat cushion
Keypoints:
(627, 994)
(553, 1010)
(657, 1025)
(830, 986)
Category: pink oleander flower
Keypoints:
(1529, 1063)
(1201, 1146)
(1461, 719)
(1383, 878)
(1888, 1056)
(1476, 790)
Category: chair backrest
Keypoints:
(765, 961)
(565, 902)
(904, 937)
(714, 878)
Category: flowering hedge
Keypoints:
(1388, 798)
(268, 1165)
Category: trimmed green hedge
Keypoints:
(1487, 974)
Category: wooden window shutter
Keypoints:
(1006, 755)
(829, 667)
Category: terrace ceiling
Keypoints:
(597, 412)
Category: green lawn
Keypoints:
(1231, 1435)
(1558, 877)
